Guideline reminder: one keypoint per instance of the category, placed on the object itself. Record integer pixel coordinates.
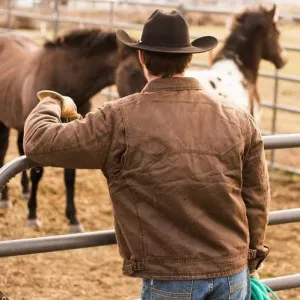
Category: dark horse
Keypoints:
(78, 64)
(233, 72)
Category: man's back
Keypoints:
(179, 181)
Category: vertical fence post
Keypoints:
(274, 118)
(111, 14)
(55, 17)
(181, 9)
(111, 22)
(9, 15)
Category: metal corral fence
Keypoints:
(102, 238)
(56, 18)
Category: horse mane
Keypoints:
(88, 41)
(243, 25)
(251, 17)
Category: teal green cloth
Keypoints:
(260, 291)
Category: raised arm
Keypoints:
(78, 144)
(256, 194)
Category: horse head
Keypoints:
(129, 78)
(272, 51)
(255, 35)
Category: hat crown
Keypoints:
(166, 30)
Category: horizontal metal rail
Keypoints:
(186, 8)
(284, 168)
(230, 11)
(183, 8)
(75, 20)
(281, 141)
(284, 216)
(100, 238)
(14, 167)
(132, 3)
(21, 163)
(57, 243)
(282, 107)
(283, 282)
(125, 25)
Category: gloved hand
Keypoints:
(68, 107)
(254, 274)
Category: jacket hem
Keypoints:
(189, 269)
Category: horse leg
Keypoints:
(35, 176)
(4, 136)
(75, 226)
(24, 180)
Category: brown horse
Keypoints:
(78, 64)
(233, 74)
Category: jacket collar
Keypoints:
(172, 84)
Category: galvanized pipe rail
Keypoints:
(280, 141)
(14, 167)
(283, 282)
(100, 238)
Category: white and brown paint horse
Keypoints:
(233, 73)
(78, 64)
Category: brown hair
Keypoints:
(165, 64)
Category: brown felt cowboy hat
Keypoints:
(169, 33)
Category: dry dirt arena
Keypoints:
(95, 273)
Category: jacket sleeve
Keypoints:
(256, 194)
(78, 144)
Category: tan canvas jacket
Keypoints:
(186, 173)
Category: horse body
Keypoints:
(224, 80)
(78, 65)
(11, 82)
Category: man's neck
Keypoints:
(150, 77)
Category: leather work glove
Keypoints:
(68, 107)
(255, 273)
(255, 260)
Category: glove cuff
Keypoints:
(48, 93)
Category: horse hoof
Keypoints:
(76, 228)
(25, 196)
(34, 223)
(6, 204)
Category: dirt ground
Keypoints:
(95, 273)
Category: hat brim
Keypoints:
(200, 45)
